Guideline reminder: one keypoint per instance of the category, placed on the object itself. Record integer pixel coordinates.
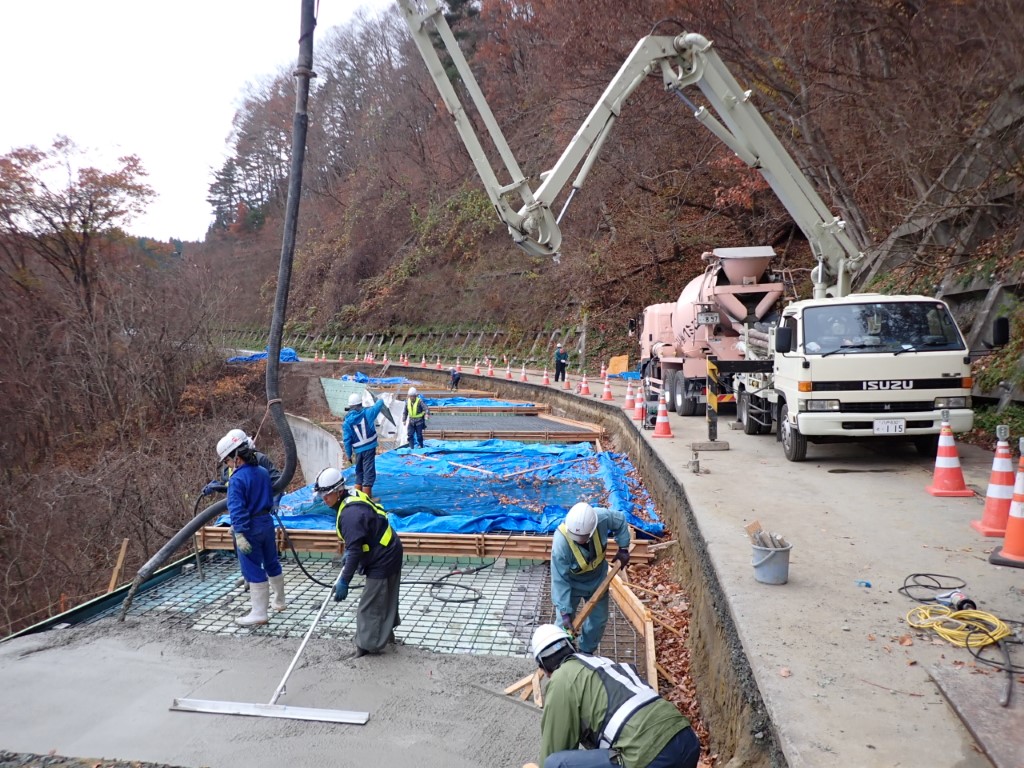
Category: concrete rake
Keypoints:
(273, 709)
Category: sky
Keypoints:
(157, 79)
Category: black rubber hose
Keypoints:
(300, 125)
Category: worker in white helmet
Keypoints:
(605, 708)
(578, 565)
(221, 485)
(372, 547)
(561, 362)
(359, 433)
(455, 378)
(415, 416)
(250, 498)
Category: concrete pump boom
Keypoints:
(684, 60)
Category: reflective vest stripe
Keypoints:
(414, 407)
(627, 694)
(581, 559)
(359, 496)
(361, 428)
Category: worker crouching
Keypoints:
(606, 708)
(578, 566)
(373, 548)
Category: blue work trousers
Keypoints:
(682, 751)
(593, 625)
(366, 467)
(415, 432)
(262, 561)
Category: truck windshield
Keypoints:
(879, 327)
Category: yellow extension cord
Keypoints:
(974, 629)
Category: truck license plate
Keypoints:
(890, 426)
(707, 318)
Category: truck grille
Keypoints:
(888, 407)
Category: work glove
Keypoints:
(567, 625)
(242, 543)
(622, 556)
(213, 487)
(340, 590)
(351, 459)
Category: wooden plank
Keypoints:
(651, 654)
(118, 566)
(630, 605)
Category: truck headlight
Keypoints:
(817, 405)
(952, 402)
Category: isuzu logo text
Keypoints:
(890, 384)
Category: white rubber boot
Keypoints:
(259, 598)
(277, 601)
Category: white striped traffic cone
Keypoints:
(948, 479)
(661, 425)
(629, 405)
(999, 494)
(606, 393)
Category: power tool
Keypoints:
(956, 600)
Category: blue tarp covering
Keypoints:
(524, 487)
(631, 375)
(362, 378)
(471, 402)
(287, 356)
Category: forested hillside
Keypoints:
(873, 98)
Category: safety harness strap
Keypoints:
(586, 566)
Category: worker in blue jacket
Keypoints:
(360, 436)
(372, 547)
(250, 498)
(578, 566)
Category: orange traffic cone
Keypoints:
(458, 365)
(439, 363)
(948, 479)
(522, 376)
(661, 425)
(546, 381)
(423, 362)
(629, 405)
(476, 368)
(606, 394)
(584, 387)
(565, 383)
(640, 409)
(604, 371)
(490, 368)
(1012, 551)
(999, 494)
(341, 357)
(508, 371)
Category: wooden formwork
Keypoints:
(482, 545)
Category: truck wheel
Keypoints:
(750, 427)
(794, 445)
(927, 445)
(667, 386)
(685, 406)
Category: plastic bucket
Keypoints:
(771, 566)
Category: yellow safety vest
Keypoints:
(359, 496)
(581, 560)
(414, 407)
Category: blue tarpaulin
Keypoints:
(362, 378)
(287, 356)
(625, 375)
(488, 486)
(473, 402)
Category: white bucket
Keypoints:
(771, 566)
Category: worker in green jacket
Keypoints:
(608, 710)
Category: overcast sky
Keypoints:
(157, 79)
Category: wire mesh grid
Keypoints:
(444, 607)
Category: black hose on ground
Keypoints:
(300, 125)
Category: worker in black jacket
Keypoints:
(372, 547)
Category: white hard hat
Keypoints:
(327, 481)
(353, 400)
(581, 520)
(240, 435)
(548, 638)
(231, 442)
(413, 391)
(558, 344)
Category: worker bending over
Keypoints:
(415, 417)
(360, 436)
(607, 709)
(250, 498)
(372, 547)
(453, 381)
(578, 566)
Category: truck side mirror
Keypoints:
(783, 339)
(1001, 332)
(632, 326)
